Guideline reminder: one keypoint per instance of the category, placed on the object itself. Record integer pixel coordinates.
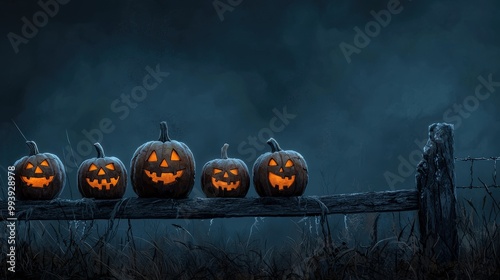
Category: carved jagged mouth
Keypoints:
(281, 182)
(37, 182)
(103, 184)
(165, 178)
(228, 186)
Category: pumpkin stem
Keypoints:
(33, 148)
(223, 151)
(99, 149)
(275, 147)
(164, 132)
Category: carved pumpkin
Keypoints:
(102, 177)
(280, 173)
(225, 177)
(39, 176)
(163, 168)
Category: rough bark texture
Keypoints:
(436, 185)
(207, 208)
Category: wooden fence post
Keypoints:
(436, 185)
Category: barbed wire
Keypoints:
(478, 187)
(477, 158)
(472, 160)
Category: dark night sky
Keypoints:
(352, 120)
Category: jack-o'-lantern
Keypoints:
(39, 176)
(225, 177)
(163, 168)
(279, 172)
(102, 177)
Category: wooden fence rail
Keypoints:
(207, 208)
(434, 198)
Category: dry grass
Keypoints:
(103, 250)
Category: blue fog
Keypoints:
(352, 122)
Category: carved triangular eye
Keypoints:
(272, 162)
(44, 163)
(289, 163)
(153, 157)
(92, 167)
(217, 170)
(234, 171)
(29, 165)
(175, 156)
(110, 166)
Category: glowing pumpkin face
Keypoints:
(170, 175)
(280, 173)
(281, 176)
(163, 168)
(103, 181)
(39, 176)
(39, 172)
(102, 177)
(225, 177)
(226, 180)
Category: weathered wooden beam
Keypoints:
(436, 183)
(207, 208)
